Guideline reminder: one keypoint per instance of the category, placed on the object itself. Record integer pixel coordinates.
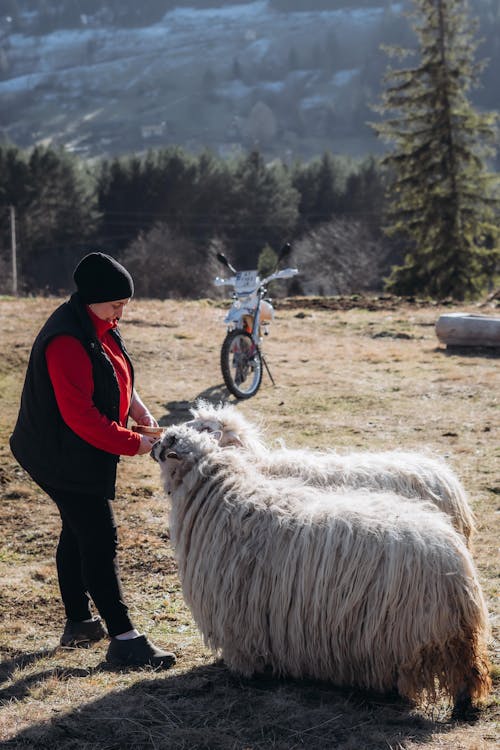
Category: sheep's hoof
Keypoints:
(464, 710)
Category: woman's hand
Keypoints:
(146, 420)
(146, 444)
(140, 413)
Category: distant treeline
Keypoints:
(38, 17)
(288, 6)
(131, 12)
(32, 16)
(127, 13)
(186, 205)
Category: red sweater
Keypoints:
(70, 371)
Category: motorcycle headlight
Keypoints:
(266, 311)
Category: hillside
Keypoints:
(229, 77)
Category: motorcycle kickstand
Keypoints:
(267, 368)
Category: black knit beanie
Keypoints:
(100, 278)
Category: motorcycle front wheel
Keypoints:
(241, 364)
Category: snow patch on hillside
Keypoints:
(178, 37)
(143, 74)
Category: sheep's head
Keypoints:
(178, 451)
(225, 424)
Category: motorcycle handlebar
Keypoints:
(224, 282)
(285, 273)
(222, 259)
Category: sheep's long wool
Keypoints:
(355, 587)
(413, 475)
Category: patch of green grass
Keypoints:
(9, 556)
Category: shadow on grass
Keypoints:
(19, 689)
(485, 352)
(7, 668)
(210, 708)
(179, 411)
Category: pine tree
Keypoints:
(262, 208)
(319, 186)
(441, 195)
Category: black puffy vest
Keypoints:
(51, 453)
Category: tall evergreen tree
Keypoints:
(319, 184)
(262, 209)
(441, 195)
(211, 198)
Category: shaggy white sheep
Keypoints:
(347, 586)
(410, 474)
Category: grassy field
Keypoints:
(370, 376)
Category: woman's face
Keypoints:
(110, 311)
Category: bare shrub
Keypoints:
(166, 265)
(341, 257)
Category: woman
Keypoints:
(71, 429)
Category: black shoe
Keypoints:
(138, 652)
(83, 633)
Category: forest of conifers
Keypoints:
(187, 204)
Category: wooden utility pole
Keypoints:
(13, 249)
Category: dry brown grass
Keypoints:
(354, 377)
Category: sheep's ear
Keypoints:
(232, 439)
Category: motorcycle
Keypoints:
(247, 321)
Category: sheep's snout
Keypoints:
(162, 449)
(173, 469)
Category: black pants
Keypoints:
(86, 559)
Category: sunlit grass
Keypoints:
(337, 385)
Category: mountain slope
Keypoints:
(228, 77)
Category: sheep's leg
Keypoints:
(474, 682)
(463, 709)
